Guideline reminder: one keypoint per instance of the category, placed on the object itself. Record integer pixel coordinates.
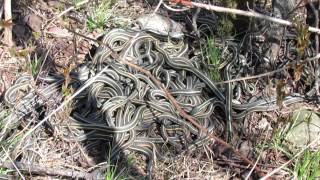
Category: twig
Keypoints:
(194, 22)
(244, 13)
(44, 61)
(289, 65)
(173, 9)
(258, 159)
(13, 164)
(316, 64)
(158, 6)
(317, 70)
(8, 17)
(234, 165)
(1, 11)
(86, 157)
(42, 170)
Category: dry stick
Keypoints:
(44, 61)
(317, 71)
(244, 13)
(289, 65)
(194, 22)
(260, 154)
(42, 170)
(8, 17)
(173, 9)
(316, 64)
(1, 12)
(86, 157)
(157, 8)
(13, 164)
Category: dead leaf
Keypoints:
(6, 23)
(298, 72)
(303, 36)
(58, 32)
(21, 52)
(281, 93)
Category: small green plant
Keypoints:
(225, 27)
(66, 89)
(308, 165)
(4, 171)
(36, 35)
(213, 54)
(100, 16)
(3, 114)
(303, 36)
(112, 172)
(229, 3)
(75, 2)
(35, 65)
(278, 144)
(13, 140)
(130, 159)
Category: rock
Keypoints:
(264, 124)
(43, 5)
(160, 25)
(123, 3)
(305, 128)
(55, 4)
(245, 148)
(34, 22)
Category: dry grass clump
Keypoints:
(198, 165)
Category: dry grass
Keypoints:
(198, 165)
(9, 67)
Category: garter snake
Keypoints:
(26, 104)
